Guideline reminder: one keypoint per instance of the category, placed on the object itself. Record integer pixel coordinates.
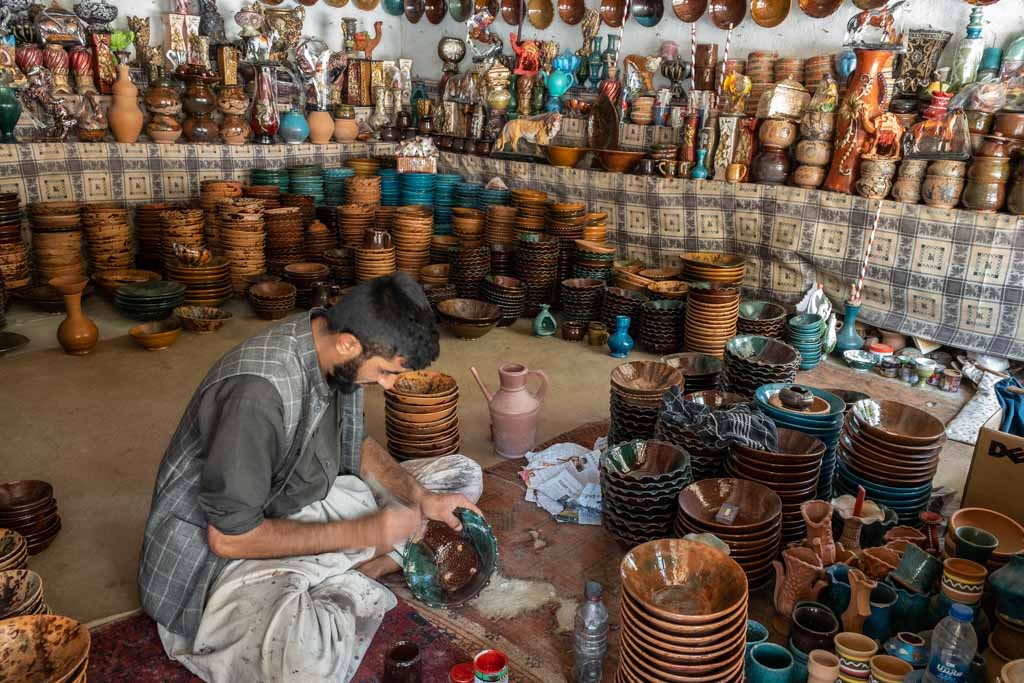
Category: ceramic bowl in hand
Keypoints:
(421, 571)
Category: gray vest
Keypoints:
(177, 567)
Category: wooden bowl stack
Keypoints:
(411, 232)
(284, 237)
(305, 203)
(304, 276)
(272, 300)
(636, 391)
(531, 210)
(441, 248)
(56, 239)
(468, 225)
(372, 262)
(242, 237)
(29, 508)
(420, 415)
(508, 294)
(270, 195)
(501, 225)
(364, 168)
(566, 221)
(596, 229)
(317, 241)
(537, 267)
(149, 226)
(206, 284)
(342, 263)
(363, 191)
(14, 270)
(13, 550)
(711, 316)
(469, 267)
(108, 235)
(436, 274)
(181, 226)
(353, 221)
(21, 594)
(43, 647)
(211, 192)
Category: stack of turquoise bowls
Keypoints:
(444, 198)
(492, 197)
(308, 181)
(805, 332)
(390, 187)
(334, 184)
(467, 195)
(417, 188)
(269, 176)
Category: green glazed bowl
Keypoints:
(421, 572)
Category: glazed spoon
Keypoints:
(689, 10)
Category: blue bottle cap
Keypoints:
(961, 612)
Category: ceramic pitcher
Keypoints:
(514, 410)
(818, 516)
(799, 580)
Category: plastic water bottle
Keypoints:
(953, 646)
(591, 636)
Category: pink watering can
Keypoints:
(514, 410)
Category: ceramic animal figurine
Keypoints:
(860, 601)
(886, 133)
(514, 410)
(539, 130)
(797, 580)
(527, 56)
(818, 516)
(38, 97)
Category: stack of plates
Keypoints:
(208, 284)
(640, 481)
(284, 238)
(661, 325)
(390, 187)
(815, 69)
(444, 198)
(531, 210)
(752, 361)
(762, 318)
(270, 195)
(13, 550)
(57, 239)
(501, 225)
(362, 191)
(566, 221)
(436, 274)
(305, 203)
(13, 251)
(272, 300)
(211, 192)
(149, 224)
(537, 266)
(417, 188)
(582, 299)
(467, 195)
(43, 647)
(468, 226)
(184, 227)
(242, 239)
(593, 260)
(791, 471)
(683, 613)
(824, 422)
(707, 266)
(364, 168)
(630, 280)
(503, 258)
(596, 229)
(668, 289)
(342, 263)
(636, 391)
(441, 247)
(489, 197)
(753, 535)
(438, 293)
(618, 301)
(108, 235)
(469, 266)
(420, 415)
(895, 459)
(307, 181)
(706, 461)
(303, 276)
(334, 184)
(508, 293)
(805, 332)
(789, 67)
(353, 221)
(711, 315)
(29, 508)
(701, 370)
(278, 177)
(384, 216)
(373, 262)
(21, 594)
(660, 274)
(411, 232)
(150, 300)
(318, 240)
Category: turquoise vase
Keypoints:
(620, 343)
(10, 111)
(837, 593)
(700, 172)
(596, 63)
(879, 624)
(848, 339)
(1008, 585)
(910, 613)
(544, 325)
(294, 130)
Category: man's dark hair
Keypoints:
(390, 316)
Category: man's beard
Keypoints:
(343, 379)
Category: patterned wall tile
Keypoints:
(989, 266)
(56, 187)
(97, 187)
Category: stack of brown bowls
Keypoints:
(619, 301)
(566, 222)
(272, 300)
(14, 271)
(353, 221)
(284, 237)
(789, 67)
(362, 191)
(594, 259)
(762, 318)
(815, 69)
(372, 262)
(501, 225)
(582, 299)
(683, 612)
(701, 370)
(661, 325)
(108, 236)
(305, 203)
(184, 227)
(441, 248)
(530, 203)
(630, 280)
(411, 231)
(596, 229)
(714, 267)
(210, 194)
(752, 361)
(269, 194)
(705, 460)
(711, 318)
(342, 263)
(206, 284)
(384, 216)
(242, 239)
(668, 289)
(56, 239)
(537, 266)
(304, 276)
(468, 226)
(364, 168)
(761, 71)
(29, 508)
(149, 225)
(317, 240)
(508, 294)
(754, 536)
(13, 550)
(791, 471)
(21, 594)
(420, 415)
(640, 481)
(503, 258)
(636, 391)
(469, 266)
(469, 318)
(438, 293)
(656, 275)
(43, 647)
(436, 274)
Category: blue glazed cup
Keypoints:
(769, 663)
(757, 633)
(975, 544)
(917, 570)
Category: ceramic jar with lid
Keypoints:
(986, 183)
(233, 104)
(164, 105)
(345, 127)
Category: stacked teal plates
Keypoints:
(489, 197)
(334, 184)
(269, 176)
(823, 420)
(308, 181)
(467, 195)
(417, 188)
(152, 300)
(805, 333)
(444, 198)
(390, 187)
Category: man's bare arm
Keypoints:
(378, 464)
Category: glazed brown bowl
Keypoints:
(472, 311)
(272, 290)
(618, 160)
(559, 155)
(202, 319)
(423, 386)
(680, 638)
(24, 496)
(20, 590)
(156, 336)
(1009, 124)
(42, 647)
(715, 399)
(1008, 531)
(692, 364)
(650, 378)
(795, 448)
(759, 506)
(903, 424)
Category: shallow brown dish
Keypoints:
(1009, 532)
(24, 495)
(769, 13)
(425, 384)
(727, 14)
(471, 311)
(571, 11)
(819, 9)
(156, 336)
(618, 160)
(903, 424)
(612, 12)
(603, 125)
(758, 505)
(41, 648)
(645, 377)
(689, 10)
(202, 319)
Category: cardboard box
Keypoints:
(997, 472)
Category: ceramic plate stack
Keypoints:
(421, 415)
(436, 274)
(566, 222)
(669, 289)
(761, 70)
(307, 181)
(501, 225)
(711, 318)
(618, 301)
(508, 294)
(353, 221)
(56, 239)
(150, 300)
(636, 391)
(334, 184)
(417, 188)
(531, 204)
(277, 177)
(627, 279)
(805, 332)
(489, 197)
(305, 203)
(207, 284)
(373, 262)
(700, 370)
(441, 248)
(789, 67)
(149, 226)
(384, 216)
(683, 613)
(270, 195)
(640, 481)
(791, 471)
(342, 263)
(13, 550)
(824, 422)
(317, 240)
(815, 69)
(537, 266)
(272, 300)
(29, 508)
(593, 260)
(43, 647)
(895, 459)
(503, 257)
(467, 195)
(390, 187)
(21, 594)
(411, 234)
(181, 226)
(753, 536)
(706, 462)
(582, 299)
(242, 239)
(661, 325)
(469, 266)
(444, 199)
(108, 235)
(362, 191)
(210, 194)
(364, 168)
(752, 361)
(468, 226)
(304, 276)
(761, 318)
(14, 270)
(284, 238)
(714, 267)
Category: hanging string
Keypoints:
(867, 252)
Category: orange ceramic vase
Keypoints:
(321, 127)
(77, 334)
(124, 114)
(867, 95)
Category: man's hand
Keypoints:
(442, 506)
(396, 524)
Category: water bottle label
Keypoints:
(949, 670)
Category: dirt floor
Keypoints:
(96, 427)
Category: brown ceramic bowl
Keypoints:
(1009, 124)
(42, 647)
(759, 506)
(618, 160)
(795, 448)
(20, 590)
(691, 364)
(25, 496)
(903, 424)
(156, 336)
(559, 155)
(645, 377)
(1008, 531)
(861, 436)
(202, 319)
(470, 311)
(680, 639)
(714, 398)
(272, 290)
(398, 413)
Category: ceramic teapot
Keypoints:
(514, 410)
(567, 62)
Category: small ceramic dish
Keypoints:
(860, 360)
(420, 568)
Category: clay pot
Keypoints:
(163, 129)
(979, 122)
(822, 667)
(941, 191)
(818, 125)
(907, 190)
(989, 169)
(162, 98)
(883, 167)
(874, 186)
(771, 166)
(779, 133)
(986, 197)
(321, 127)
(201, 129)
(949, 169)
(913, 168)
(813, 152)
(235, 130)
(889, 669)
(345, 130)
(124, 114)
(77, 334)
(992, 146)
(855, 651)
(1009, 124)
(810, 177)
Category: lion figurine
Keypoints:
(539, 130)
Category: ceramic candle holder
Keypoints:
(855, 651)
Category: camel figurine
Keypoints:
(365, 44)
(886, 132)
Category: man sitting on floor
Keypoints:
(266, 529)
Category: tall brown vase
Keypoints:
(77, 334)
(867, 95)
